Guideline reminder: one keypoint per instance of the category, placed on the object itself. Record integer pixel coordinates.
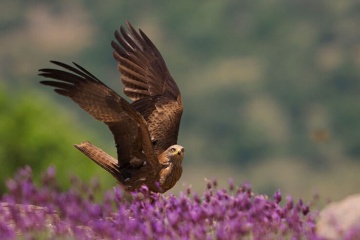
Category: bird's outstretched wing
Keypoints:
(127, 125)
(148, 82)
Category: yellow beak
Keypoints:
(179, 152)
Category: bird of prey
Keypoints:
(145, 131)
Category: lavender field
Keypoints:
(28, 211)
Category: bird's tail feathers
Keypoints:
(101, 158)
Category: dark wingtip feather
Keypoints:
(58, 84)
(41, 72)
(46, 73)
(130, 27)
(46, 82)
(85, 71)
(117, 47)
(73, 74)
(123, 30)
(62, 92)
(59, 63)
(128, 24)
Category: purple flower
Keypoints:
(277, 196)
(217, 213)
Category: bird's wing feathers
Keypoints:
(127, 125)
(163, 117)
(148, 82)
(143, 70)
(86, 90)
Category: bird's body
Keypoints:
(145, 131)
(137, 173)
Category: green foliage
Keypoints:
(35, 131)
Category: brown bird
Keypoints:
(145, 131)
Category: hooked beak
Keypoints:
(180, 152)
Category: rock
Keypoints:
(338, 219)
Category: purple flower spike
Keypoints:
(34, 211)
(277, 196)
(231, 184)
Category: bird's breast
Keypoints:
(169, 176)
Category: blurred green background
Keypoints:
(271, 89)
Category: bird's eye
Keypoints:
(172, 149)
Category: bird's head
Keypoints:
(175, 153)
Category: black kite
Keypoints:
(146, 130)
